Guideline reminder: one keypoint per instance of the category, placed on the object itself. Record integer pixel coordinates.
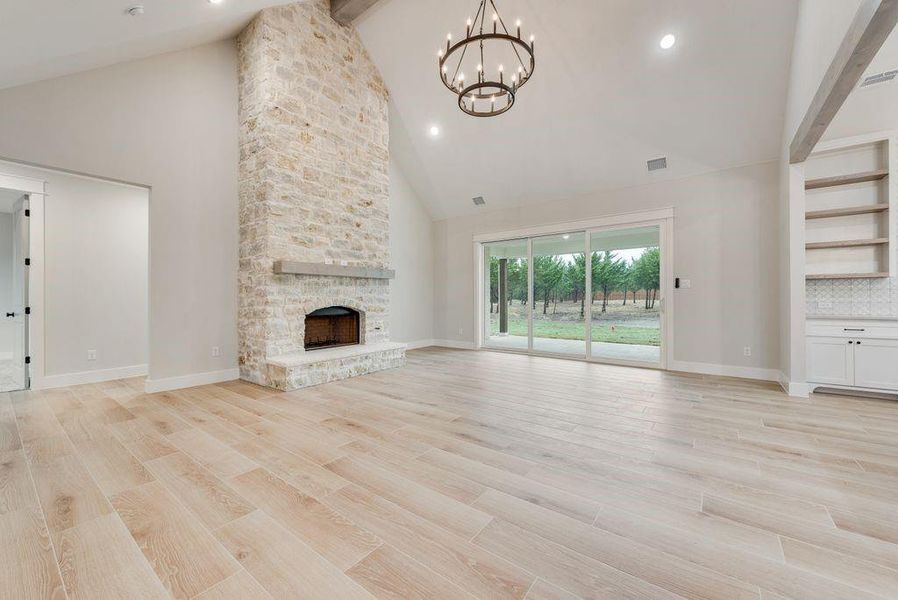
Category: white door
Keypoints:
(876, 364)
(13, 291)
(830, 360)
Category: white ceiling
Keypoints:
(40, 39)
(871, 109)
(603, 100)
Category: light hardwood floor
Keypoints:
(461, 475)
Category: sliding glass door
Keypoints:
(626, 294)
(505, 303)
(559, 318)
(594, 293)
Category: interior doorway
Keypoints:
(14, 233)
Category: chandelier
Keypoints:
(491, 92)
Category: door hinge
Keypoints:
(27, 360)
(27, 310)
(27, 262)
(27, 212)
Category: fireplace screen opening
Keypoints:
(331, 327)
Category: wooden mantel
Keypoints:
(290, 267)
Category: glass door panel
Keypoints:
(626, 294)
(559, 303)
(505, 290)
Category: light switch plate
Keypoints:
(685, 283)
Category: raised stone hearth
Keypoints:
(314, 197)
(303, 369)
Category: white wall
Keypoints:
(725, 237)
(6, 258)
(7, 332)
(170, 123)
(819, 30)
(411, 248)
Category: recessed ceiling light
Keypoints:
(215, 1)
(668, 41)
(434, 130)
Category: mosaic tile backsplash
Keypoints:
(853, 297)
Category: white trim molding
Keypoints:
(796, 389)
(192, 380)
(419, 344)
(758, 373)
(457, 344)
(80, 378)
(630, 218)
(26, 185)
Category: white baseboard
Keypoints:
(192, 380)
(724, 370)
(419, 344)
(67, 379)
(793, 388)
(453, 344)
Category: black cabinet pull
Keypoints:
(858, 343)
(850, 342)
(853, 329)
(10, 314)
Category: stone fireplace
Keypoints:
(314, 270)
(332, 327)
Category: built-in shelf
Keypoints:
(847, 276)
(847, 211)
(846, 243)
(289, 267)
(824, 182)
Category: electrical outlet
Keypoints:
(344, 263)
(216, 351)
(747, 351)
(685, 283)
(824, 305)
(91, 355)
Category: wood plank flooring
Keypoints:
(461, 475)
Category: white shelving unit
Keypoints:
(851, 193)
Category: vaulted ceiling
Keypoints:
(40, 39)
(604, 98)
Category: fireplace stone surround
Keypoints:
(314, 192)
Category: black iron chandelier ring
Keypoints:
(498, 93)
(505, 92)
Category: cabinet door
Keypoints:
(876, 364)
(830, 360)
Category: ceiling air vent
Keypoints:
(656, 164)
(879, 78)
(479, 201)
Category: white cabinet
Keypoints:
(856, 354)
(831, 360)
(876, 364)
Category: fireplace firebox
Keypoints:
(331, 327)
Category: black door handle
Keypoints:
(10, 314)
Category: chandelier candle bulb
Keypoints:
(519, 28)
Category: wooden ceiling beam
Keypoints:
(345, 12)
(872, 24)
